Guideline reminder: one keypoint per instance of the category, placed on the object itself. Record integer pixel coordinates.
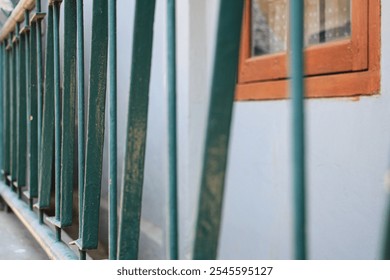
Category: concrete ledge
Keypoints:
(56, 250)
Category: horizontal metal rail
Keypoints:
(16, 16)
(44, 235)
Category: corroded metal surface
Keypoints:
(95, 127)
(47, 139)
(68, 111)
(136, 130)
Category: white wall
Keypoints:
(348, 157)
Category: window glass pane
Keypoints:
(325, 21)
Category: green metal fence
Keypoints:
(39, 120)
(39, 116)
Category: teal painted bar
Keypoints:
(32, 107)
(22, 114)
(218, 129)
(113, 212)
(14, 136)
(80, 113)
(3, 124)
(129, 228)
(173, 200)
(68, 111)
(47, 140)
(57, 109)
(16, 104)
(10, 102)
(27, 65)
(13, 110)
(95, 128)
(38, 27)
(7, 155)
(298, 125)
(81, 105)
(56, 220)
(2, 110)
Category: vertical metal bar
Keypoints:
(113, 213)
(15, 54)
(39, 72)
(95, 129)
(16, 107)
(218, 129)
(298, 125)
(32, 127)
(136, 130)
(27, 81)
(38, 16)
(1, 109)
(47, 138)
(9, 108)
(10, 104)
(6, 109)
(38, 6)
(13, 109)
(22, 115)
(57, 113)
(173, 207)
(80, 100)
(68, 111)
(80, 111)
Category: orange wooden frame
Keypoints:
(342, 68)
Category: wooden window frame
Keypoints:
(342, 68)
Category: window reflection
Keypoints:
(325, 21)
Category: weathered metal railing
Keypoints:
(40, 114)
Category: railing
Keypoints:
(23, 50)
(46, 126)
(39, 119)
